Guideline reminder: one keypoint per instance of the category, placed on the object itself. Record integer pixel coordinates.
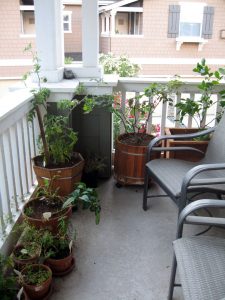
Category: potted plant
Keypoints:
(197, 109)
(58, 249)
(26, 253)
(93, 165)
(36, 280)
(87, 198)
(46, 209)
(131, 147)
(56, 136)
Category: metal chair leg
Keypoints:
(172, 278)
(145, 193)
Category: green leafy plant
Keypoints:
(119, 65)
(87, 197)
(140, 108)
(8, 282)
(34, 275)
(60, 245)
(56, 135)
(197, 109)
(68, 60)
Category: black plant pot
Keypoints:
(90, 178)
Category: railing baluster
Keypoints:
(23, 150)
(3, 226)
(163, 118)
(19, 163)
(149, 125)
(5, 179)
(192, 96)
(123, 108)
(27, 152)
(12, 169)
(177, 124)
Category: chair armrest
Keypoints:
(190, 208)
(188, 182)
(176, 137)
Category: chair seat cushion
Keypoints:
(201, 265)
(169, 173)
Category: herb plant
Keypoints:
(87, 197)
(8, 282)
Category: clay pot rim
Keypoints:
(38, 265)
(54, 169)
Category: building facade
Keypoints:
(165, 37)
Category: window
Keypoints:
(67, 21)
(191, 17)
(27, 22)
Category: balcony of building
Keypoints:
(129, 254)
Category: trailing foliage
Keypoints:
(8, 282)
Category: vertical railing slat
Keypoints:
(10, 136)
(5, 179)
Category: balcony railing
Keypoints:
(17, 147)
(18, 141)
(166, 115)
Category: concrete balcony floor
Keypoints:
(128, 255)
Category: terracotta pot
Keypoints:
(21, 263)
(185, 155)
(38, 291)
(129, 162)
(60, 266)
(65, 177)
(52, 223)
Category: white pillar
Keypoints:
(49, 38)
(113, 22)
(107, 23)
(103, 23)
(90, 38)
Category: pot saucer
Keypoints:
(70, 269)
(46, 297)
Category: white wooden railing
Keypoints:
(17, 147)
(18, 141)
(165, 114)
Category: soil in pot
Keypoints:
(37, 280)
(35, 209)
(27, 253)
(130, 158)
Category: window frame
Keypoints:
(69, 22)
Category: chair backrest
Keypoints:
(216, 149)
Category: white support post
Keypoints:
(107, 23)
(49, 38)
(113, 22)
(90, 39)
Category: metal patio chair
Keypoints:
(200, 259)
(179, 177)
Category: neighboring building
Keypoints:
(166, 37)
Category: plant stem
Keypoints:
(42, 132)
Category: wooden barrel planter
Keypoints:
(130, 160)
(64, 178)
(185, 155)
